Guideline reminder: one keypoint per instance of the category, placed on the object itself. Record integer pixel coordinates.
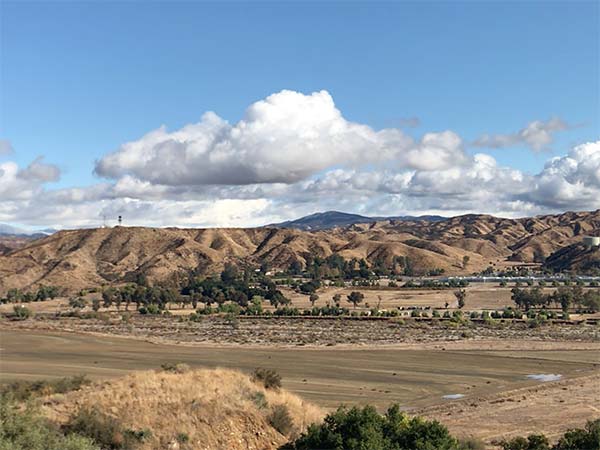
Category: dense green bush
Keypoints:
(587, 438)
(532, 442)
(287, 311)
(21, 312)
(152, 309)
(364, 428)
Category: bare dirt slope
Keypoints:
(216, 409)
(9, 243)
(78, 259)
(551, 408)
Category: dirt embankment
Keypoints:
(214, 409)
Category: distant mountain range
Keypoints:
(9, 230)
(332, 219)
(318, 221)
(77, 259)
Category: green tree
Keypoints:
(21, 312)
(230, 273)
(313, 299)
(460, 295)
(591, 300)
(532, 442)
(408, 267)
(77, 302)
(587, 438)
(364, 428)
(564, 297)
(355, 297)
(108, 297)
(337, 298)
(14, 295)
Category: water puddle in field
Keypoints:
(543, 377)
(453, 396)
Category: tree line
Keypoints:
(563, 297)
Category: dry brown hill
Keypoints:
(79, 259)
(214, 409)
(575, 257)
(8, 243)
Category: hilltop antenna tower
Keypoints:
(103, 220)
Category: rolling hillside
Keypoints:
(77, 259)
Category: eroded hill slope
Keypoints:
(214, 409)
(78, 259)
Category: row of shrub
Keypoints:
(553, 283)
(364, 428)
(534, 318)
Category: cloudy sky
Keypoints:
(242, 114)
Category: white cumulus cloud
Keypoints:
(570, 181)
(291, 155)
(284, 138)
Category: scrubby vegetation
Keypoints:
(269, 378)
(136, 413)
(24, 390)
(23, 428)
(364, 428)
(106, 431)
(359, 428)
(587, 438)
(179, 408)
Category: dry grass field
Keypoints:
(497, 392)
(214, 409)
(479, 296)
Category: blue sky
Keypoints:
(79, 79)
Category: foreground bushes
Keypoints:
(364, 428)
(23, 428)
(106, 431)
(587, 438)
(27, 430)
(269, 378)
(24, 390)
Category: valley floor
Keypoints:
(492, 374)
